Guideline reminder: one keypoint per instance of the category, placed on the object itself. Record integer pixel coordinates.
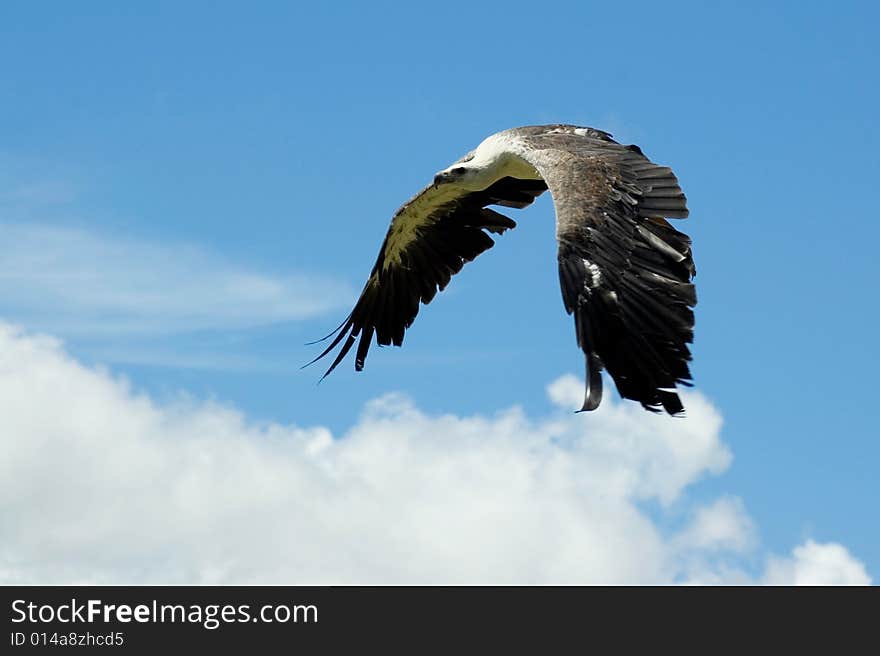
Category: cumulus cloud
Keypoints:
(722, 525)
(817, 564)
(100, 483)
(79, 283)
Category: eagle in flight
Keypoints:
(625, 272)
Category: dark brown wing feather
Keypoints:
(625, 272)
(430, 239)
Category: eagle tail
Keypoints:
(593, 394)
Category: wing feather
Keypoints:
(625, 272)
(430, 239)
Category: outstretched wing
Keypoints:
(430, 239)
(625, 272)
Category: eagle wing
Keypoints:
(625, 272)
(429, 240)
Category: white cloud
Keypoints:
(817, 564)
(99, 483)
(723, 525)
(78, 283)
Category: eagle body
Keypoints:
(625, 273)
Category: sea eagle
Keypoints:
(625, 272)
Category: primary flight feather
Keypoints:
(625, 272)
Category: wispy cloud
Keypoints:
(38, 193)
(176, 355)
(99, 483)
(29, 183)
(79, 283)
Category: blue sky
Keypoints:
(260, 150)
